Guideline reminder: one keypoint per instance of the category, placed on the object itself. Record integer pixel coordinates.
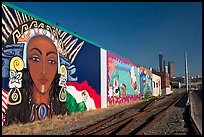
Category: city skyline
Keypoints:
(138, 31)
(171, 68)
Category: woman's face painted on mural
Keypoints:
(42, 62)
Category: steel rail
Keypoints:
(111, 118)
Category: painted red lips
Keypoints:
(43, 81)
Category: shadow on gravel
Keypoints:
(182, 102)
(192, 130)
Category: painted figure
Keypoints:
(39, 76)
(123, 89)
(145, 84)
(40, 90)
(133, 78)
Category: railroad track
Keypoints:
(111, 119)
(133, 120)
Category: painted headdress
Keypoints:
(17, 29)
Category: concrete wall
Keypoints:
(47, 70)
(156, 85)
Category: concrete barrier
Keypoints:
(196, 112)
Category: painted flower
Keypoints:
(63, 81)
(15, 80)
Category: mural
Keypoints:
(145, 83)
(123, 80)
(45, 71)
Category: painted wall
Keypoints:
(156, 85)
(47, 70)
(126, 81)
(145, 83)
(123, 80)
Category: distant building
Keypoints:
(152, 69)
(165, 83)
(171, 69)
(175, 84)
(166, 69)
(177, 79)
(156, 85)
(161, 63)
(164, 65)
(198, 76)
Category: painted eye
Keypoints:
(143, 80)
(51, 61)
(35, 58)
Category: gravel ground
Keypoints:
(175, 122)
(86, 120)
(65, 125)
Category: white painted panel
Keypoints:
(103, 78)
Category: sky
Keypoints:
(138, 31)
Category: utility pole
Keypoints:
(186, 72)
(189, 79)
(186, 78)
